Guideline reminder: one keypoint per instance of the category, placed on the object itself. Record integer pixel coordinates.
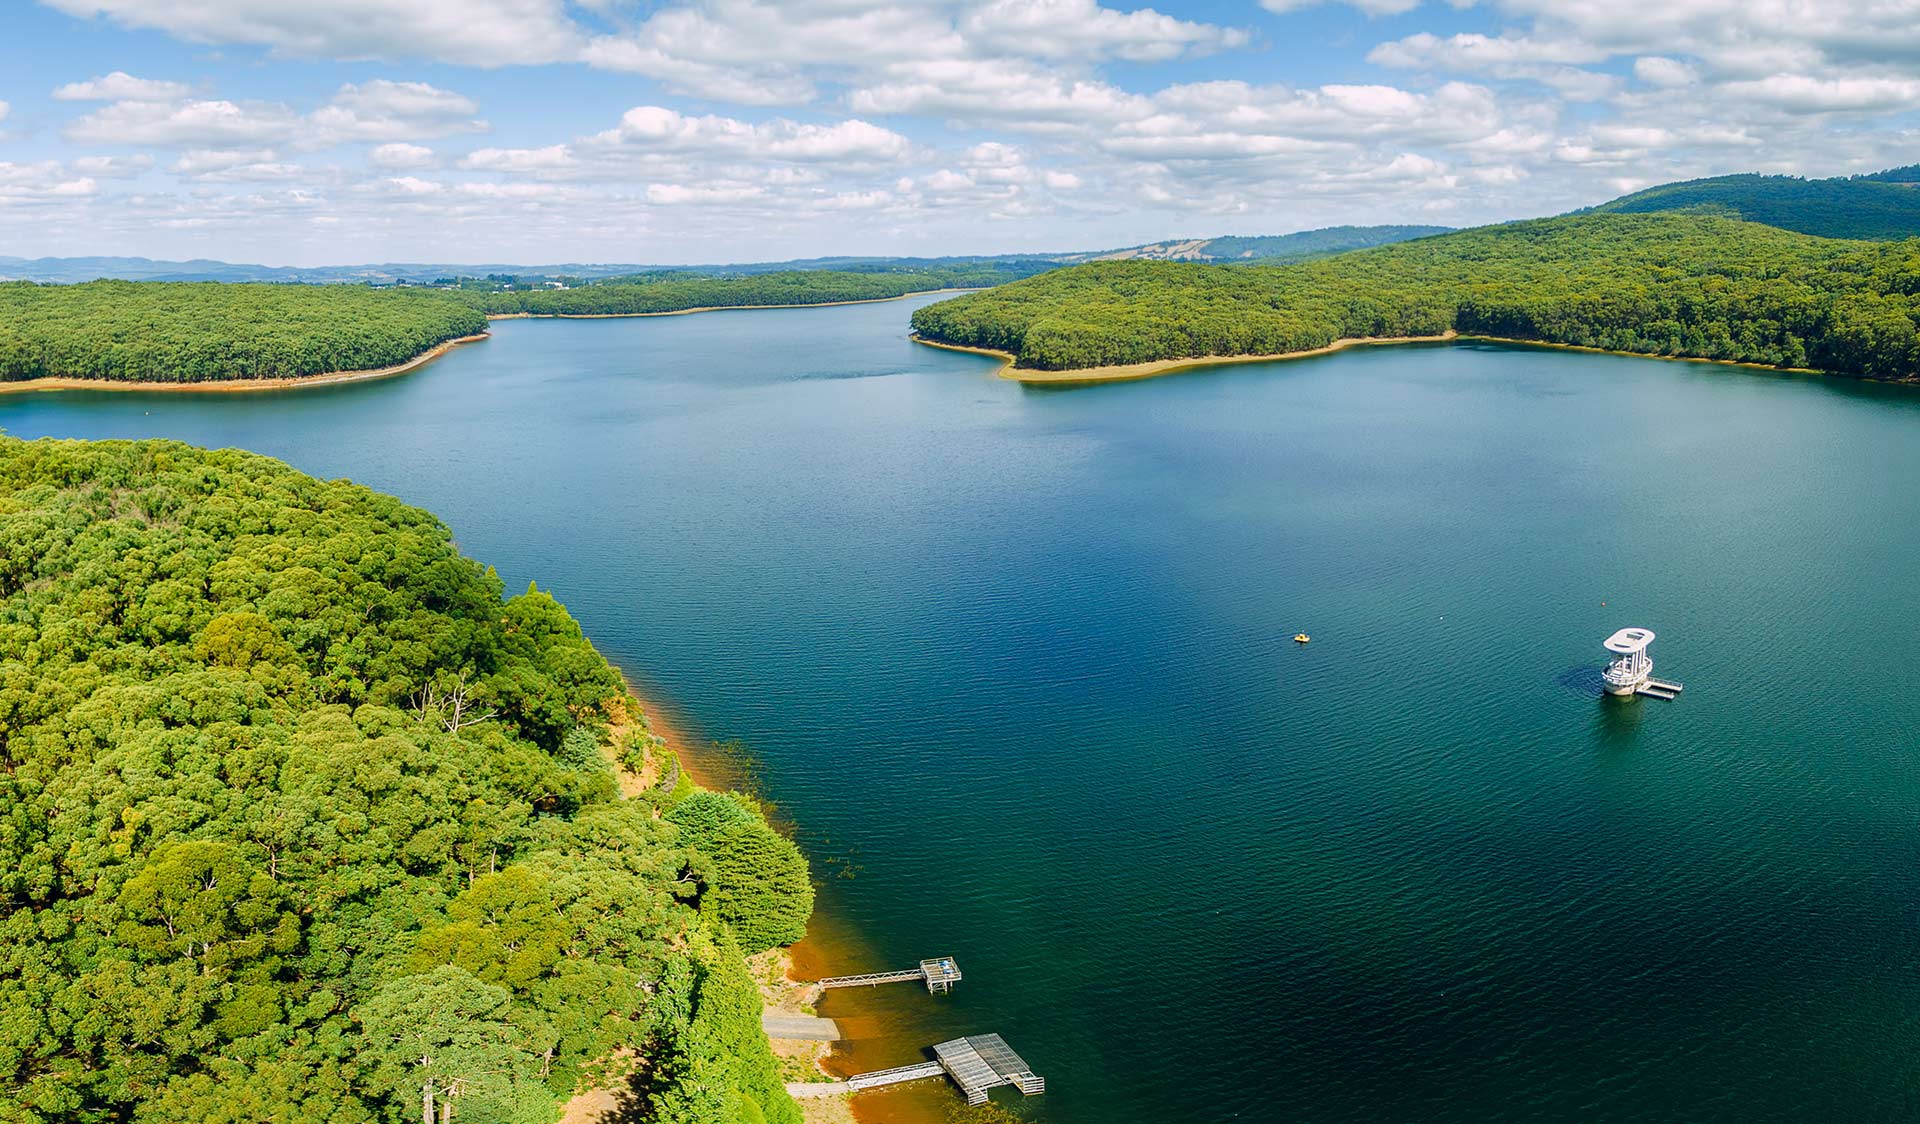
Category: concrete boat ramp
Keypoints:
(804, 1027)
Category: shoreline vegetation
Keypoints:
(1153, 369)
(242, 386)
(785, 975)
(296, 787)
(1665, 285)
(666, 739)
(165, 332)
(1159, 367)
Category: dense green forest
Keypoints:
(1882, 206)
(301, 821)
(1687, 285)
(176, 331)
(667, 292)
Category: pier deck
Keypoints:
(977, 1064)
(983, 1062)
(1658, 689)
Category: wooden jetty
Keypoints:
(940, 974)
(977, 1064)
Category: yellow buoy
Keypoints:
(1301, 638)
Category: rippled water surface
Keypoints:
(1019, 662)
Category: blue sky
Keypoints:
(728, 130)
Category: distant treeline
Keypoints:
(1673, 284)
(671, 292)
(176, 331)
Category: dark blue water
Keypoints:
(1019, 664)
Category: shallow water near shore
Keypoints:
(1018, 663)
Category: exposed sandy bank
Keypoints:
(1082, 375)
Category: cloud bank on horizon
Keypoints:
(729, 130)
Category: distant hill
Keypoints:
(1883, 206)
(71, 270)
(1269, 249)
(74, 270)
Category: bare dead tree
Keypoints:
(451, 708)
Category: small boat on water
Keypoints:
(1301, 638)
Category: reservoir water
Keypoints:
(1019, 665)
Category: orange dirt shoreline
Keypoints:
(1122, 373)
(1130, 371)
(242, 386)
(829, 946)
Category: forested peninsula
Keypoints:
(210, 332)
(1685, 285)
(304, 821)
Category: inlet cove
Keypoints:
(1016, 666)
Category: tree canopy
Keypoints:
(757, 881)
(302, 820)
(176, 331)
(1685, 285)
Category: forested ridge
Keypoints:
(1882, 206)
(301, 819)
(669, 292)
(1671, 284)
(181, 331)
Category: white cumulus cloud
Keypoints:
(469, 32)
(121, 86)
(167, 124)
(399, 154)
(657, 128)
(379, 110)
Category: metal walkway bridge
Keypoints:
(940, 974)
